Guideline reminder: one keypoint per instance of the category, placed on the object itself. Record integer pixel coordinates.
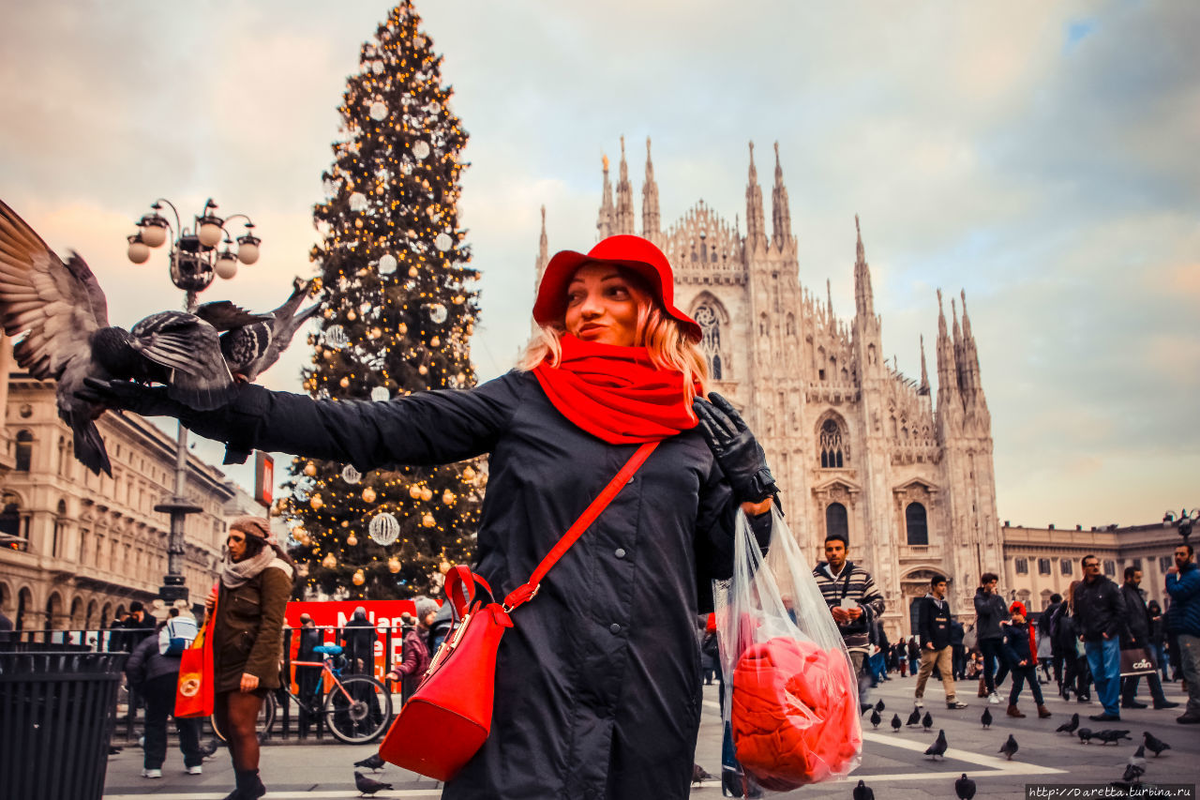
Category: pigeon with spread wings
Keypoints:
(250, 349)
(60, 316)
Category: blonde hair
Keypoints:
(662, 335)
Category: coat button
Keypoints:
(619, 552)
(614, 628)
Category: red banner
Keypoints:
(335, 613)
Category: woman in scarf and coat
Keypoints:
(247, 637)
(598, 686)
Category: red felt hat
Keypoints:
(632, 252)
(1017, 608)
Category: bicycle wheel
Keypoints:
(359, 711)
(262, 726)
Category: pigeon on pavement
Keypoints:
(896, 723)
(1009, 748)
(60, 315)
(875, 718)
(372, 762)
(927, 721)
(1068, 727)
(1134, 772)
(210, 750)
(938, 748)
(251, 348)
(367, 786)
(863, 792)
(1140, 752)
(986, 719)
(1085, 735)
(700, 774)
(964, 787)
(1154, 744)
(880, 706)
(1109, 735)
(914, 718)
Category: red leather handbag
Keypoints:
(194, 692)
(449, 716)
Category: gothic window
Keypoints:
(764, 325)
(710, 341)
(871, 354)
(836, 522)
(24, 451)
(1043, 566)
(1110, 568)
(1021, 566)
(791, 325)
(917, 524)
(831, 445)
(1065, 566)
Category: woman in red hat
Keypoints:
(598, 688)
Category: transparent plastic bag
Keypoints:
(793, 696)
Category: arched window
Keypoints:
(790, 325)
(12, 521)
(831, 445)
(24, 608)
(917, 524)
(836, 522)
(24, 450)
(710, 341)
(764, 325)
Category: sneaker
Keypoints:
(955, 704)
(1106, 717)
(918, 703)
(994, 698)
(152, 773)
(196, 770)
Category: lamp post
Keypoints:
(1183, 521)
(194, 261)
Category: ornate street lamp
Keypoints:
(1183, 521)
(194, 261)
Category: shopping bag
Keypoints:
(1139, 661)
(194, 691)
(793, 703)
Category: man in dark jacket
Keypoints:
(933, 625)
(155, 676)
(1045, 627)
(958, 650)
(1183, 619)
(359, 637)
(990, 611)
(855, 602)
(310, 637)
(138, 626)
(1100, 622)
(1137, 637)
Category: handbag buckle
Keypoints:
(447, 649)
(509, 609)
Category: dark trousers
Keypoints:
(995, 663)
(160, 703)
(1056, 661)
(959, 659)
(307, 679)
(1023, 674)
(1129, 687)
(1075, 672)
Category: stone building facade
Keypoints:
(77, 548)
(855, 445)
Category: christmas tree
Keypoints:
(396, 318)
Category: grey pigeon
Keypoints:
(1140, 752)
(1085, 735)
(938, 748)
(60, 315)
(875, 718)
(927, 721)
(1009, 748)
(1068, 727)
(880, 706)
(700, 774)
(210, 750)
(964, 787)
(914, 718)
(986, 719)
(863, 792)
(368, 786)
(896, 723)
(1154, 744)
(373, 762)
(1134, 772)
(252, 347)
(1109, 735)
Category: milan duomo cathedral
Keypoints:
(855, 445)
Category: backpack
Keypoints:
(176, 636)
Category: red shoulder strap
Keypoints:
(526, 592)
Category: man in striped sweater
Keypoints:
(855, 603)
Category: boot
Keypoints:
(982, 688)
(1013, 711)
(1043, 712)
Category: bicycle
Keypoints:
(357, 708)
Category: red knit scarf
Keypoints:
(616, 393)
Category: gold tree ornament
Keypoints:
(329, 562)
(468, 473)
(316, 502)
(444, 567)
(310, 469)
(368, 495)
(359, 578)
(428, 521)
(393, 565)
(448, 498)
(426, 493)
(352, 540)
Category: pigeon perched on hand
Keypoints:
(1068, 727)
(938, 748)
(60, 314)
(1108, 735)
(1154, 744)
(986, 719)
(250, 348)
(863, 792)
(964, 787)
(368, 786)
(896, 723)
(914, 718)
(875, 718)
(927, 721)
(1009, 748)
(373, 762)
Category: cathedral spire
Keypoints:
(970, 356)
(946, 365)
(923, 389)
(651, 219)
(864, 298)
(960, 371)
(829, 296)
(543, 249)
(781, 215)
(623, 222)
(756, 235)
(605, 222)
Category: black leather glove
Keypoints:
(149, 401)
(738, 453)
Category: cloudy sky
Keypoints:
(1040, 156)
